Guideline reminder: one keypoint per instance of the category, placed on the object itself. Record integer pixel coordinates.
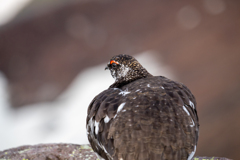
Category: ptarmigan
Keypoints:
(141, 116)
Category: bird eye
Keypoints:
(114, 65)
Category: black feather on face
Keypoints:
(125, 69)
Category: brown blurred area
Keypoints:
(44, 49)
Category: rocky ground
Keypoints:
(61, 152)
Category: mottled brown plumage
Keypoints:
(142, 117)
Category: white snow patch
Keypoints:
(62, 120)
(10, 8)
(137, 90)
(162, 87)
(148, 85)
(106, 119)
(192, 154)
(185, 109)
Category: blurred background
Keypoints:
(53, 55)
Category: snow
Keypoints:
(64, 119)
(10, 8)
(60, 121)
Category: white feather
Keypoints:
(192, 154)
(185, 109)
(106, 119)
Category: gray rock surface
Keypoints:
(49, 152)
(60, 152)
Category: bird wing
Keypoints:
(101, 112)
(150, 118)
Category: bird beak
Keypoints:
(106, 68)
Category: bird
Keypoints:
(141, 116)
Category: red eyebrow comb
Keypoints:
(112, 61)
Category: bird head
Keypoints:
(125, 68)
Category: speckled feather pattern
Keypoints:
(129, 71)
(150, 118)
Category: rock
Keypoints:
(49, 152)
(61, 152)
(210, 158)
